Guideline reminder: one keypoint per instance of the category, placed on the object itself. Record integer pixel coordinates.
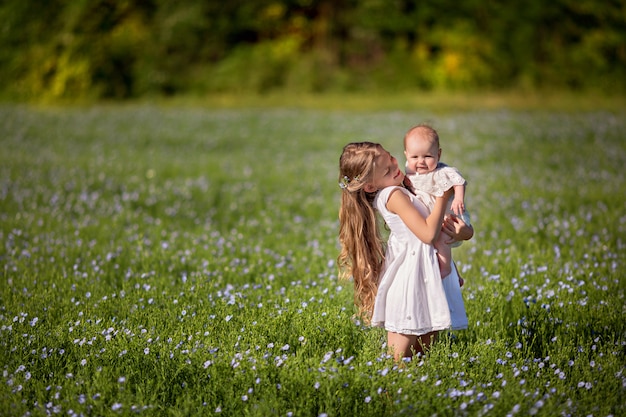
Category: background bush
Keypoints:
(120, 49)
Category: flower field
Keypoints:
(179, 261)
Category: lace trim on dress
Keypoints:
(438, 181)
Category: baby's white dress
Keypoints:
(436, 182)
(410, 298)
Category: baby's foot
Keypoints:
(445, 271)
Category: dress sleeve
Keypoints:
(447, 177)
(380, 202)
(438, 181)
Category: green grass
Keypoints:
(179, 260)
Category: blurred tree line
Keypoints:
(132, 48)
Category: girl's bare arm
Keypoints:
(426, 229)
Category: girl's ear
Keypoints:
(369, 188)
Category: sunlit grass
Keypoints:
(180, 260)
(440, 102)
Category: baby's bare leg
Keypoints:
(444, 254)
(461, 280)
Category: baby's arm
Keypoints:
(458, 203)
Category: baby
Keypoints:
(431, 177)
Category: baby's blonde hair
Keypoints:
(362, 251)
(423, 131)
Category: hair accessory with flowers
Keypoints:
(345, 181)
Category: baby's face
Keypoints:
(422, 155)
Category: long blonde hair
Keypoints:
(362, 251)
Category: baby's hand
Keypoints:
(457, 206)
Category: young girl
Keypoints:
(399, 289)
(428, 175)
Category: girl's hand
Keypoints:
(456, 229)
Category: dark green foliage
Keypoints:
(112, 49)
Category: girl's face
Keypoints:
(386, 173)
(422, 155)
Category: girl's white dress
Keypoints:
(452, 288)
(411, 297)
